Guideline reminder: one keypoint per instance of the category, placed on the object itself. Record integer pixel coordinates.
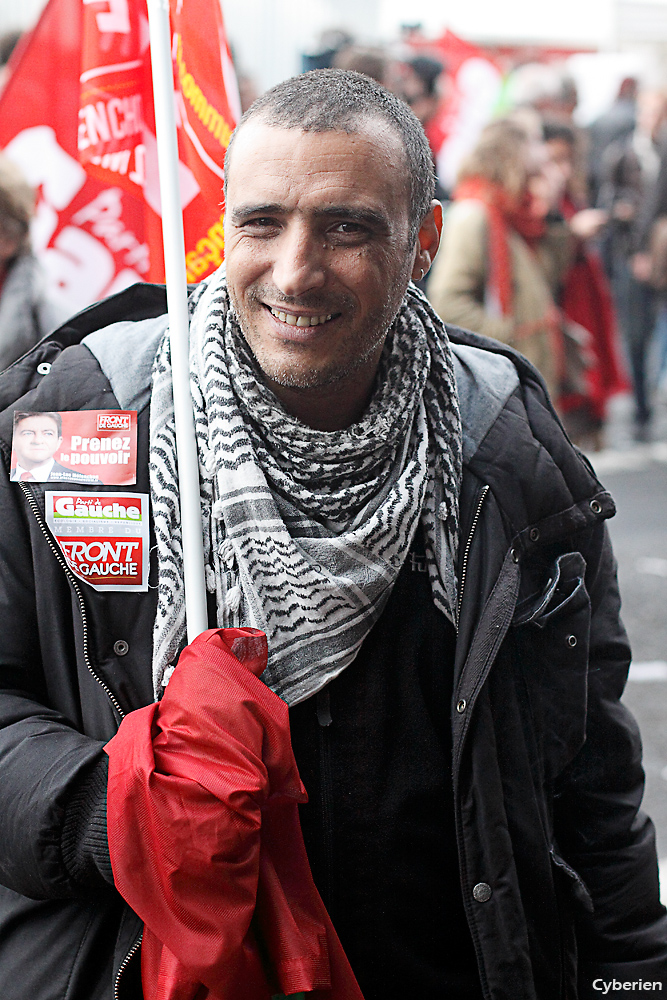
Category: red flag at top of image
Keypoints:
(116, 137)
(77, 117)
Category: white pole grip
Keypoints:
(174, 262)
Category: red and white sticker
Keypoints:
(103, 536)
(86, 447)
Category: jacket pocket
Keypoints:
(552, 629)
(571, 881)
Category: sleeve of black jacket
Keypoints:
(602, 832)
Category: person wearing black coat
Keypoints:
(474, 822)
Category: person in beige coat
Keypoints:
(501, 258)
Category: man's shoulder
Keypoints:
(138, 303)
(64, 372)
(484, 381)
(513, 439)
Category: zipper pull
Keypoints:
(323, 706)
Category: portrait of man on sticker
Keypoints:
(37, 437)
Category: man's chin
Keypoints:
(304, 381)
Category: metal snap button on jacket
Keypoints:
(120, 647)
(482, 892)
(572, 640)
(44, 368)
(461, 706)
(596, 506)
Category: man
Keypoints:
(632, 176)
(426, 553)
(37, 437)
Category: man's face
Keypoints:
(317, 248)
(36, 440)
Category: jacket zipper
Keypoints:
(459, 831)
(466, 552)
(34, 506)
(124, 964)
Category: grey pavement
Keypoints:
(636, 476)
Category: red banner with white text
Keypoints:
(77, 117)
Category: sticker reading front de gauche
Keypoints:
(103, 536)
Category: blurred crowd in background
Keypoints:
(554, 238)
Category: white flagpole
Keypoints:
(174, 260)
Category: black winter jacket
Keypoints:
(557, 864)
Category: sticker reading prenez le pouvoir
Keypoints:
(103, 537)
(86, 447)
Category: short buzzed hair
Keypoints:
(331, 100)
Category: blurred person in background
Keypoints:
(370, 60)
(420, 87)
(633, 172)
(547, 88)
(26, 311)
(613, 125)
(584, 294)
(502, 257)
(418, 82)
(330, 42)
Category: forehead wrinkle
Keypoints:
(381, 139)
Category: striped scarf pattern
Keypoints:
(305, 531)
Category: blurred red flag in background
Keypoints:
(77, 117)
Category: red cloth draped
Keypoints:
(504, 212)
(205, 839)
(586, 299)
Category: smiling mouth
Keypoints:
(299, 319)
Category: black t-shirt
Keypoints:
(379, 824)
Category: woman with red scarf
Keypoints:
(501, 258)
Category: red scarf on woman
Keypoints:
(504, 212)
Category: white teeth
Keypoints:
(301, 321)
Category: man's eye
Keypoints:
(263, 222)
(349, 228)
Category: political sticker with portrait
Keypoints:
(85, 447)
(104, 537)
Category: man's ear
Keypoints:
(428, 240)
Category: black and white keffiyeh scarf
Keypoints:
(305, 531)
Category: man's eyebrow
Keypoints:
(348, 213)
(245, 211)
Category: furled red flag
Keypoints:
(77, 118)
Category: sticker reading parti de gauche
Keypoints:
(85, 447)
(104, 537)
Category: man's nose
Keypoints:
(299, 263)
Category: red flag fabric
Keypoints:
(88, 144)
(205, 840)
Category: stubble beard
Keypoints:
(297, 373)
